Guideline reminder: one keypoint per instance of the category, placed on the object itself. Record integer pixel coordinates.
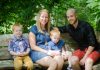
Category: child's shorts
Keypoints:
(95, 55)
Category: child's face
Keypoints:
(55, 37)
(17, 31)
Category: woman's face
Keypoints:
(44, 18)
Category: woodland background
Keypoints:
(24, 11)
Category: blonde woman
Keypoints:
(39, 35)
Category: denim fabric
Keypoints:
(51, 45)
(41, 39)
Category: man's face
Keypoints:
(71, 17)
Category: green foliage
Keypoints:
(59, 10)
(24, 12)
(94, 6)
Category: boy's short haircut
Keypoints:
(16, 24)
(55, 30)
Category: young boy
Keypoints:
(19, 48)
(57, 44)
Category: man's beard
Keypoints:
(75, 21)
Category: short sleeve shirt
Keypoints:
(18, 45)
(51, 45)
(41, 38)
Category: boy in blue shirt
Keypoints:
(57, 45)
(19, 48)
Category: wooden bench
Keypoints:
(6, 61)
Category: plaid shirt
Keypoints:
(18, 45)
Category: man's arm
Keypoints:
(92, 41)
(89, 50)
(63, 29)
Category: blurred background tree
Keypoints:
(24, 11)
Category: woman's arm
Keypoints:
(33, 45)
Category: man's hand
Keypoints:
(82, 61)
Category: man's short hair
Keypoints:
(71, 10)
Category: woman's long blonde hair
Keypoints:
(47, 26)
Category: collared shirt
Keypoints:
(83, 34)
(18, 45)
(52, 46)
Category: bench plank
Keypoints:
(4, 54)
(4, 39)
(6, 63)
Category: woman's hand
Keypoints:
(53, 53)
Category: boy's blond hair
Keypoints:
(55, 30)
(16, 25)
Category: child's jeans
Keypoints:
(19, 61)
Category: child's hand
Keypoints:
(50, 53)
(65, 57)
(63, 53)
(24, 53)
(21, 54)
(18, 54)
(68, 53)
